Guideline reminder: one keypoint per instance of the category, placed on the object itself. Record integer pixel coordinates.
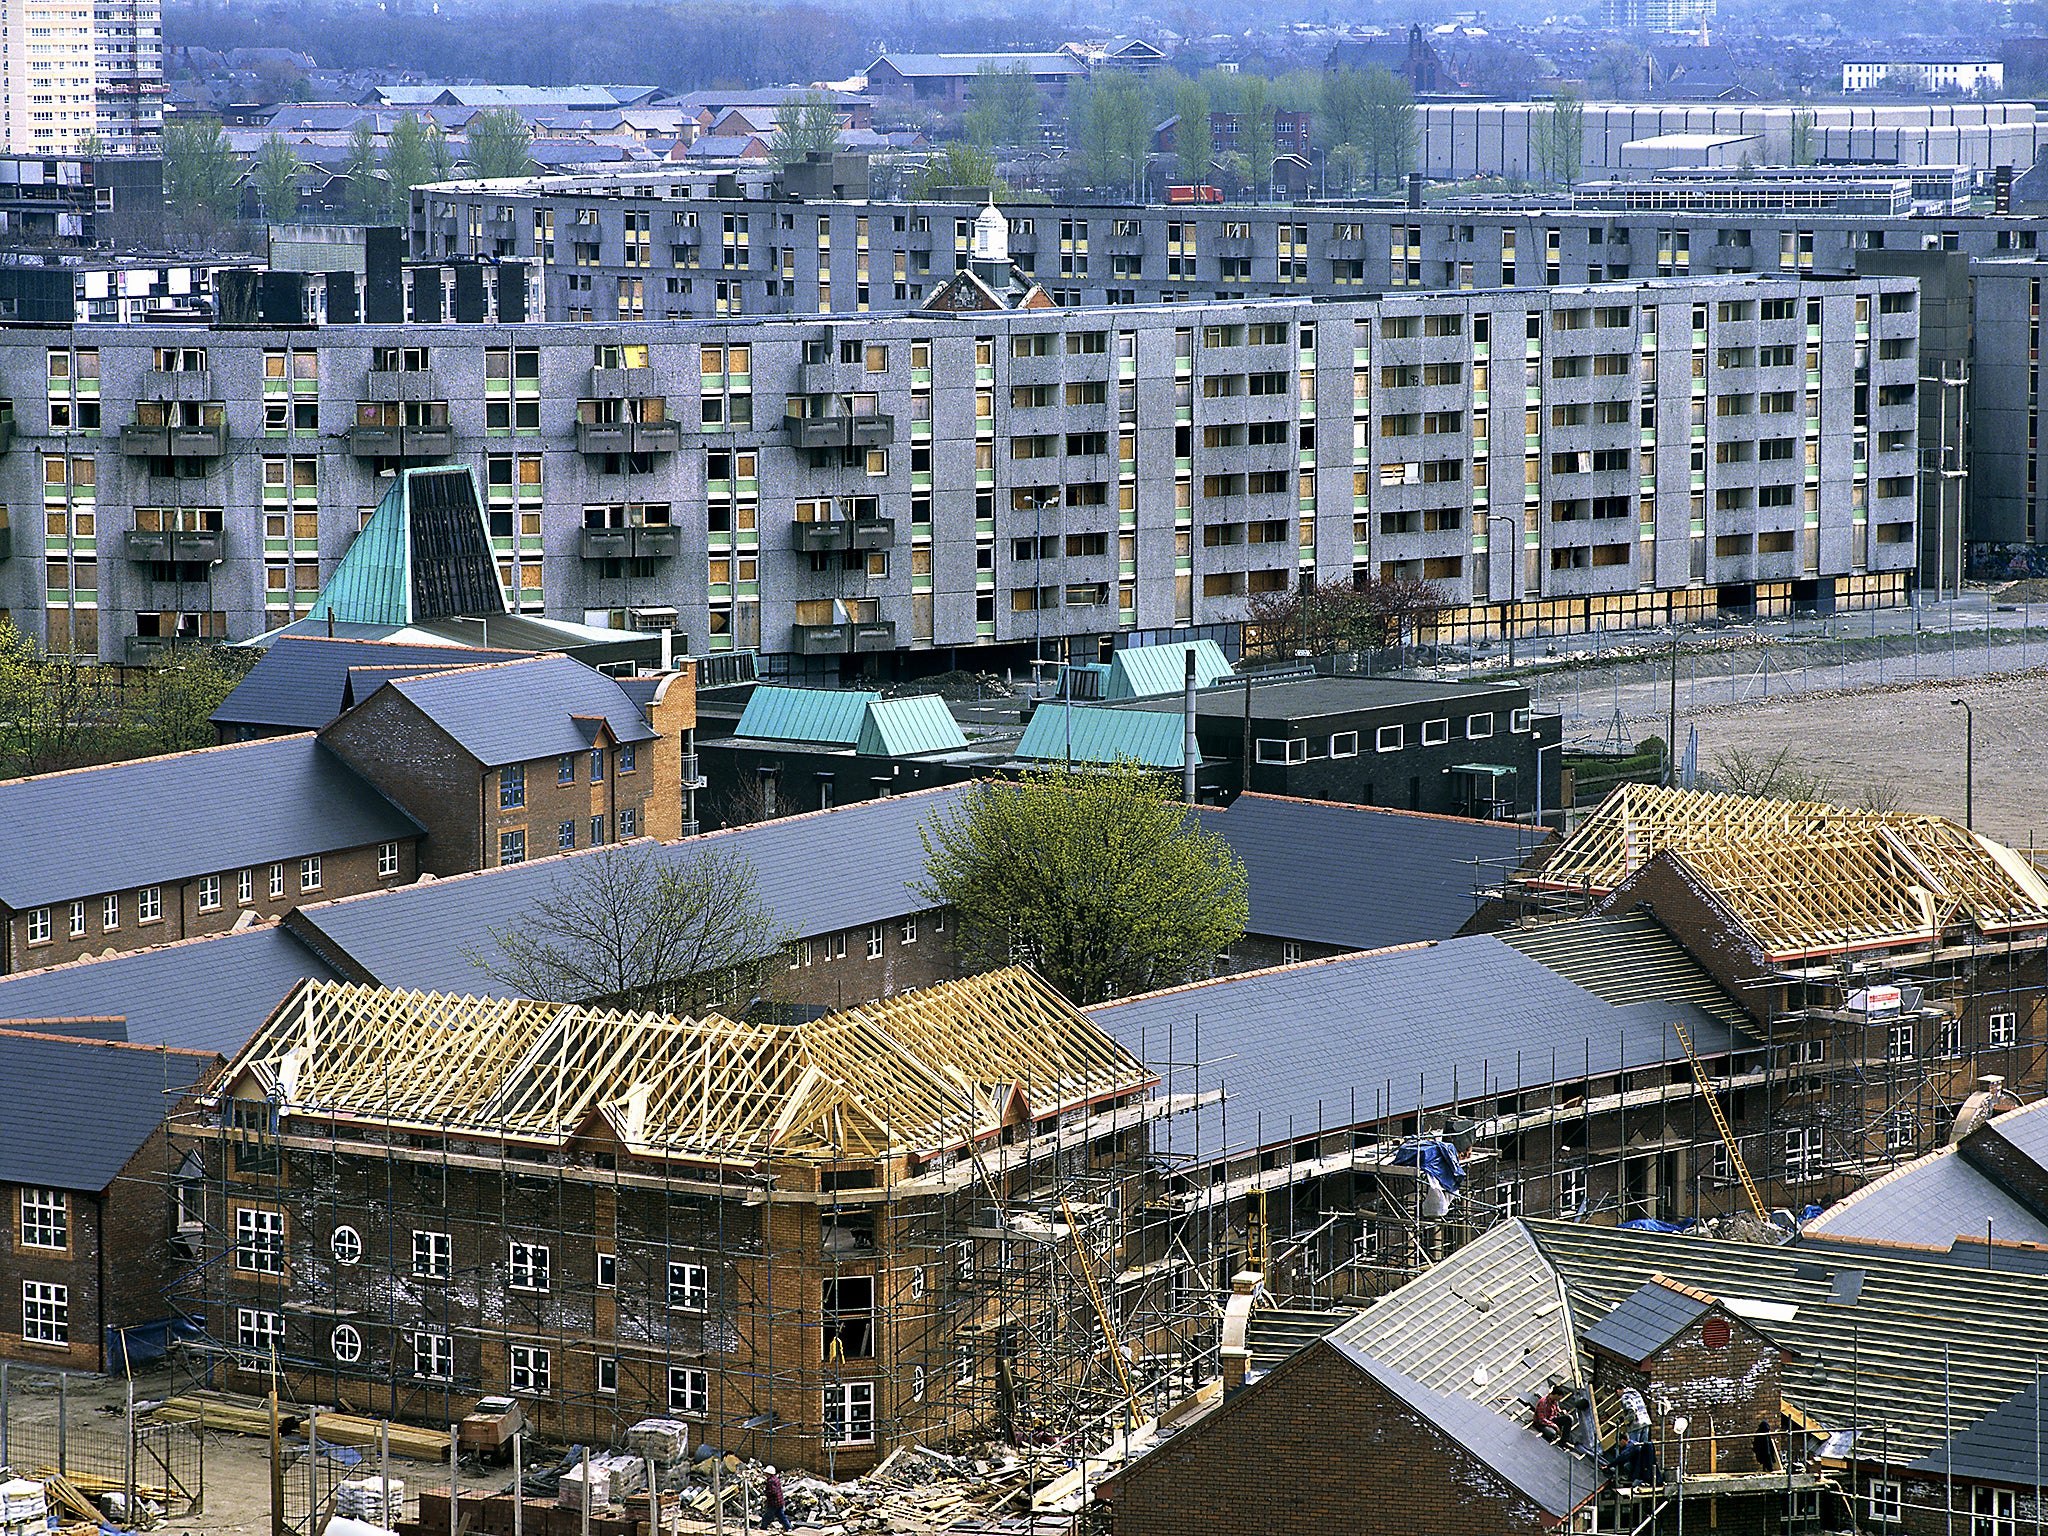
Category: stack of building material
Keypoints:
(372, 1500)
(665, 1441)
(586, 1486)
(23, 1507)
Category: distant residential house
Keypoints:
(947, 79)
(1416, 61)
(1942, 75)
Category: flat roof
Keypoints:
(1297, 698)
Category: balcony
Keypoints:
(838, 534)
(177, 384)
(630, 543)
(183, 546)
(624, 384)
(842, 431)
(842, 639)
(401, 442)
(691, 776)
(875, 635)
(156, 650)
(417, 384)
(143, 442)
(607, 437)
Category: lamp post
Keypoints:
(1969, 764)
(1513, 525)
(1680, 1424)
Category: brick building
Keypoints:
(86, 1230)
(249, 829)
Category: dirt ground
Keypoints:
(1910, 738)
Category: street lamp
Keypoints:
(1513, 524)
(1969, 764)
(1681, 1424)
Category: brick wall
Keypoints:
(77, 1267)
(840, 969)
(416, 763)
(1723, 1389)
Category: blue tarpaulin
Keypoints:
(1438, 1159)
(1650, 1224)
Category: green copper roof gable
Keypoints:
(372, 584)
(908, 727)
(424, 554)
(1147, 671)
(830, 716)
(1077, 732)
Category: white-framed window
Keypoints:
(1436, 732)
(1518, 720)
(875, 941)
(209, 893)
(526, 1266)
(1802, 1154)
(1571, 1190)
(1898, 1130)
(1992, 1512)
(850, 1413)
(963, 1260)
(149, 904)
(917, 1282)
(1366, 1246)
(39, 925)
(689, 1389)
(1887, 1502)
(919, 1378)
(110, 913)
(689, 1286)
(1478, 727)
(529, 1369)
(910, 930)
(245, 886)
(433, 1356)
(1508, 1195)
(309, 872)
(2001, 1030)
(345, 1344)
(1387, 738)
(607, 1271)
(431, 1255)
(1281, 749)
(346, 1245)
(1290, 952)
(607, 1373)
(387, 860)
(1898, 1042)
(78, 920)
(963, 1364)
(799, 954)
(259, 1240)
(256, 1330)
(45, 1313)
(1948, 1037)
(276, 881)
(1344, 744)
(45, 1218)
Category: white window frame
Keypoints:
(433, 1356)
(346, 1244)
(918, 1378)
(608, 1375)
(209, 893)
(1518, 720)
(1898, 1040)
(909, 935)
(149, 904)
(1571, 1189)
(245, 886)
(1886, 1501)
(45, 1312)
(1802, 1154)
(1993, 1511)
(1436, 733)
(309, 873)
(39, 925)
(45, 1219)
(1290, 952)
(1381, 741)
(689, 1286)
(527, 1266)
(257, 1330)
(2002, 1030)
(78, 920)
(259, 1240)
(607, 1271)
(1344, 744)
(850, 1413)
(277, 882)
(1509, 1194)
(964, 1366)
(1948, 1036)
(530, 1369)
(345, 1344)
(874, 941)
(110, 913)
(1478, 727)
(387, 860)
(689, 1389)
(1898, 1130)
(433, 1256)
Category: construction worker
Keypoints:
(1544, 1414)
(772, 1507)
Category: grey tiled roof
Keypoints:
(2004, 1446)
(1929, 1203)
(78, 1110)
(297, 683)
(161, 819)
(1359, 876)
(516, 711)
(1649, 1317)
(205, 994)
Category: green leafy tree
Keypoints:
(1347, 166)
(499, 145)
(408, 163)
(275, 176)
(201, 178)
(51, 707)
(1102, 879)
(1006, 107)
(440, 158)
(1255, 130)
(364, 167)
(1388, 131)
(1192, 150)
(1342, 120)
(804, 125)
(959, 164)
(1802, 137)
(169, 708)
(1110, 131)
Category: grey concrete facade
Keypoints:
(836, 491)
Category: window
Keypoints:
(910, 930)
(110, 910)
(309, 873)
(1276, 749)
(1478, 727)
(346, 1344)
(45, 1219)
(875, 942)
(1886, 1503)
(607, 1373)
(430, 1255)
(1991, 1512)
(511, 786)
(78, 920)
(918, 1379)
(276, 887)
(433, 1356)
(346, 1245)
(1948, 1037)
(1518, 720)
(850, 1411)
(257, 1332)
(689, 1286)
(39, 925)
(1435, 732)
(1898, 1044)
(964, 1356)
(1571, 1190)
(607, 1271)
(597, 765)
(245, 887)
(629, 821)
(209, 901)
(628, 758)
(387, 860)
(45, 1313)
(1344, 744)
(596, 830)
(2001, 1030)
(512, 846)
(527, 1266)
(528, 1369)
(149, 904)
(689, 1389)
(1290, 952)
(259, 1240)
(1802, 1155)
(1387, 739)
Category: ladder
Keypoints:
(1095, 1296)
(1699, 1072)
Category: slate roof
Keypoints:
(1928, 1203)
(1625, 959)
(204, 994)
(944, 66)
(1355, 1038)
(2004, 1446)
(162, 819)
(1359, 876)
(831, 716)
(297, 684)
(1649, 1317)
(1090, 734)
(78, 1110)
(516, 711)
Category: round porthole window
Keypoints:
(347, 1244)
(346, 1343)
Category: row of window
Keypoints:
(512, 777)
(833, 945)
(149, 899)
(1388, 738)
(2000, 1030)
(512, 841)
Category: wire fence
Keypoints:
(60, 1425)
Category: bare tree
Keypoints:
(1364, 614)
(639, 927)
(1767, 775)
